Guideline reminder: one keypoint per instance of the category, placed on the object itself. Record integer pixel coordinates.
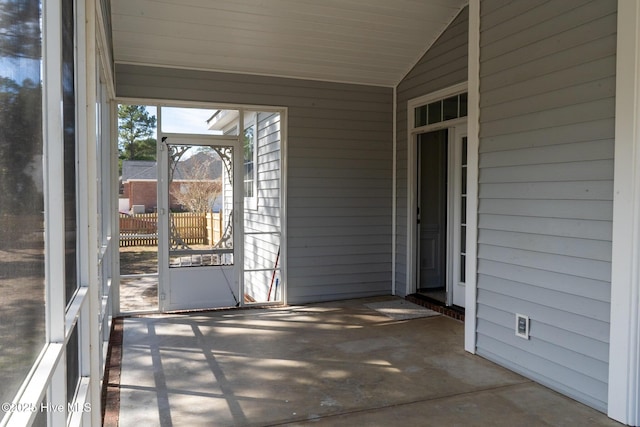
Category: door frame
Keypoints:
(284, 163)
(412, 177)
(164, 270)
(448, 229)
(458, 287)
(453, 215)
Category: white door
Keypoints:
(199, 183)
(441, 214)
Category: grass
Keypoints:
(139, 260)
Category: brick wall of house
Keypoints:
(144, 192)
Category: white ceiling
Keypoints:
(355, 41)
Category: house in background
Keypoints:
(483, 153)
(139, 184)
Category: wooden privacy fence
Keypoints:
(194, 228)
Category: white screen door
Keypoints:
(199, 190)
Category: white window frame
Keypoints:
(107, 162)
(40, 381)
(47, 378)
(456, 134)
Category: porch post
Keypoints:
(624, 353)
(473, 126)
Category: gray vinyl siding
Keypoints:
(262, 243)
(339, 171)
(444, 65)
(547, 86)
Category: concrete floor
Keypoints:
(330, 364)
(139, 294)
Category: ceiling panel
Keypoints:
(355, 41)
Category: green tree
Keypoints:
(20, 146)
(135, 133)
(20, 109)
(20, 29)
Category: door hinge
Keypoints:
(163, 296)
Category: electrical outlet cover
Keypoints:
(522, 326)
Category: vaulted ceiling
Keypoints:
(355, 41)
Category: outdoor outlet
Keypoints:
(522, 326)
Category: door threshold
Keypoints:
(453, 311)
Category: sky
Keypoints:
(18, 69)
(184, 120)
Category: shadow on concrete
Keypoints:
(339, 363)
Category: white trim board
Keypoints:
(473, 141)
(624, 342)
(394, 194)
